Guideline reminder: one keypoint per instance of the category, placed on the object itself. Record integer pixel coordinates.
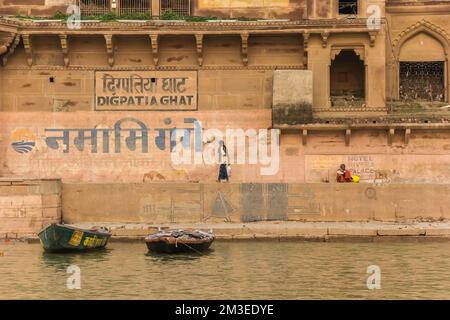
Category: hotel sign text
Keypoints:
(146, 90)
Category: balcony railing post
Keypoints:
(156, 8)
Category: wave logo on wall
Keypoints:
(23, 140)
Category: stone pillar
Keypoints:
(376, 71)
(156, 8)
(318, 63)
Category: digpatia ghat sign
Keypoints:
(146, 90)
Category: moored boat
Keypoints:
(62, 238)
(180, 241)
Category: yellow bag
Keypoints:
(355, 179)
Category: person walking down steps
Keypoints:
(223, 169)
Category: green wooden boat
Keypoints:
(66, 238)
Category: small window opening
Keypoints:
(348, 7)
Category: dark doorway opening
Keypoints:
(347, 79)
(422, 81)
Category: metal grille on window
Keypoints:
(180, 7)
(94, 7)
(135, 6)
(422, 81)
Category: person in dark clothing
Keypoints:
(340, 177)
(223, 172)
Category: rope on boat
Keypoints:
(192, 248)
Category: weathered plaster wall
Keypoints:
(126, 165)
(267, 9)
(425, 159)
(215, 203)
(224, 83)
(32, 90)
(34, 7)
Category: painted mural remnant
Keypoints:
(362, 165)
(319, 167)
(146, 90)
(221, 207)
(23, 140)
(252, 202)
(304, 202)
(189, 143)
(63, 139)
(277, 201)
(138, 132)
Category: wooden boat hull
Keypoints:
(180, 247)
(65, 238)
(179, 241)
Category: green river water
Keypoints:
(232, 270)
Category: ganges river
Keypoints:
(232, 270)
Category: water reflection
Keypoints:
(233, 270)
(188, 256)
(61, 261)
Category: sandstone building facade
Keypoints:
(361, 82)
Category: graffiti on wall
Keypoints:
(362, 166)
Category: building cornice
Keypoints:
(174, 27)
(424, 7)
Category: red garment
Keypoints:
(348, 176)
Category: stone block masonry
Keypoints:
(212, 203)
(26, 206)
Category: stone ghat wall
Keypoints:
(217, 203)
(28, 205)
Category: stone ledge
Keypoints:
(401, 232)
(282, 231)
(437, 232)
(351, 232)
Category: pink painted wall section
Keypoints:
(425, 159)
(27, 151)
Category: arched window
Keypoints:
(422, 69)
